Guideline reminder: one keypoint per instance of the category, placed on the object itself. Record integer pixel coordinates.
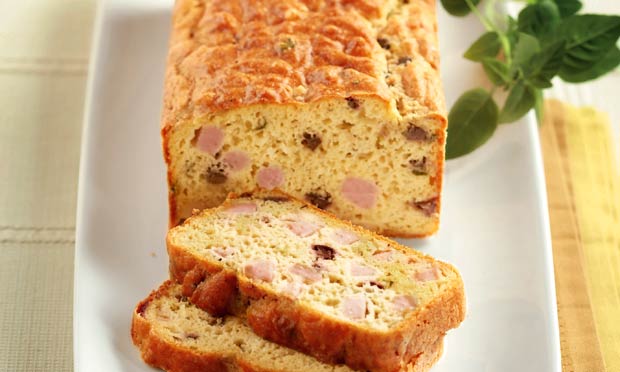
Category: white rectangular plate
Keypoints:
(494, 222)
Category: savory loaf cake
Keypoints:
(313, 283)
(176, 336)
(338, 102)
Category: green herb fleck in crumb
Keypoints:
(287, 44)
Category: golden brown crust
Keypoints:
(224, 55)
(173, 357)
(425, 361)
(331, 340)
(173, 219)
(285, 323)
(214, 293)
(228, 54)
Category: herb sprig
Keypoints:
(521, 57)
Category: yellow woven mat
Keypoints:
(584, 203)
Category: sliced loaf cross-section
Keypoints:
(174, 335)
(311, 282)
(336, 102)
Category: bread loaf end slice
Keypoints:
(174, 335)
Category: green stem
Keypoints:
(492, 27)
(487, 24)
(506, 47)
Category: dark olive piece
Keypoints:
(320, 199)
(216, 174)
(324, 252)
(415, 133)
(404, 60)
(311, 140)
(384, 43)
(429, 207)
(353, 103)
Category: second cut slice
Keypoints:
(311, 282)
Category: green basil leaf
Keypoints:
(471, 122)
(488, 45)
(526, 47)
(539, 82)
(609, 62)
(539, 19)
(568, 7)
(512, 26)
(520, 100)
(583, 28)
(589, 38)
(457, 8)
(544, 65)
(497, 71)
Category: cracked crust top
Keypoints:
(235, 53)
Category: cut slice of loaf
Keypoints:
(314, 283)
(174, 335)
(337, 102)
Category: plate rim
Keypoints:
(93, 63)
(103, 10)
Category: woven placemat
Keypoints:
(44, 47)
(595, 180)
(581, 349)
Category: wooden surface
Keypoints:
(581, 186)
(595, 180)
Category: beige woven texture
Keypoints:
(44, 48)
